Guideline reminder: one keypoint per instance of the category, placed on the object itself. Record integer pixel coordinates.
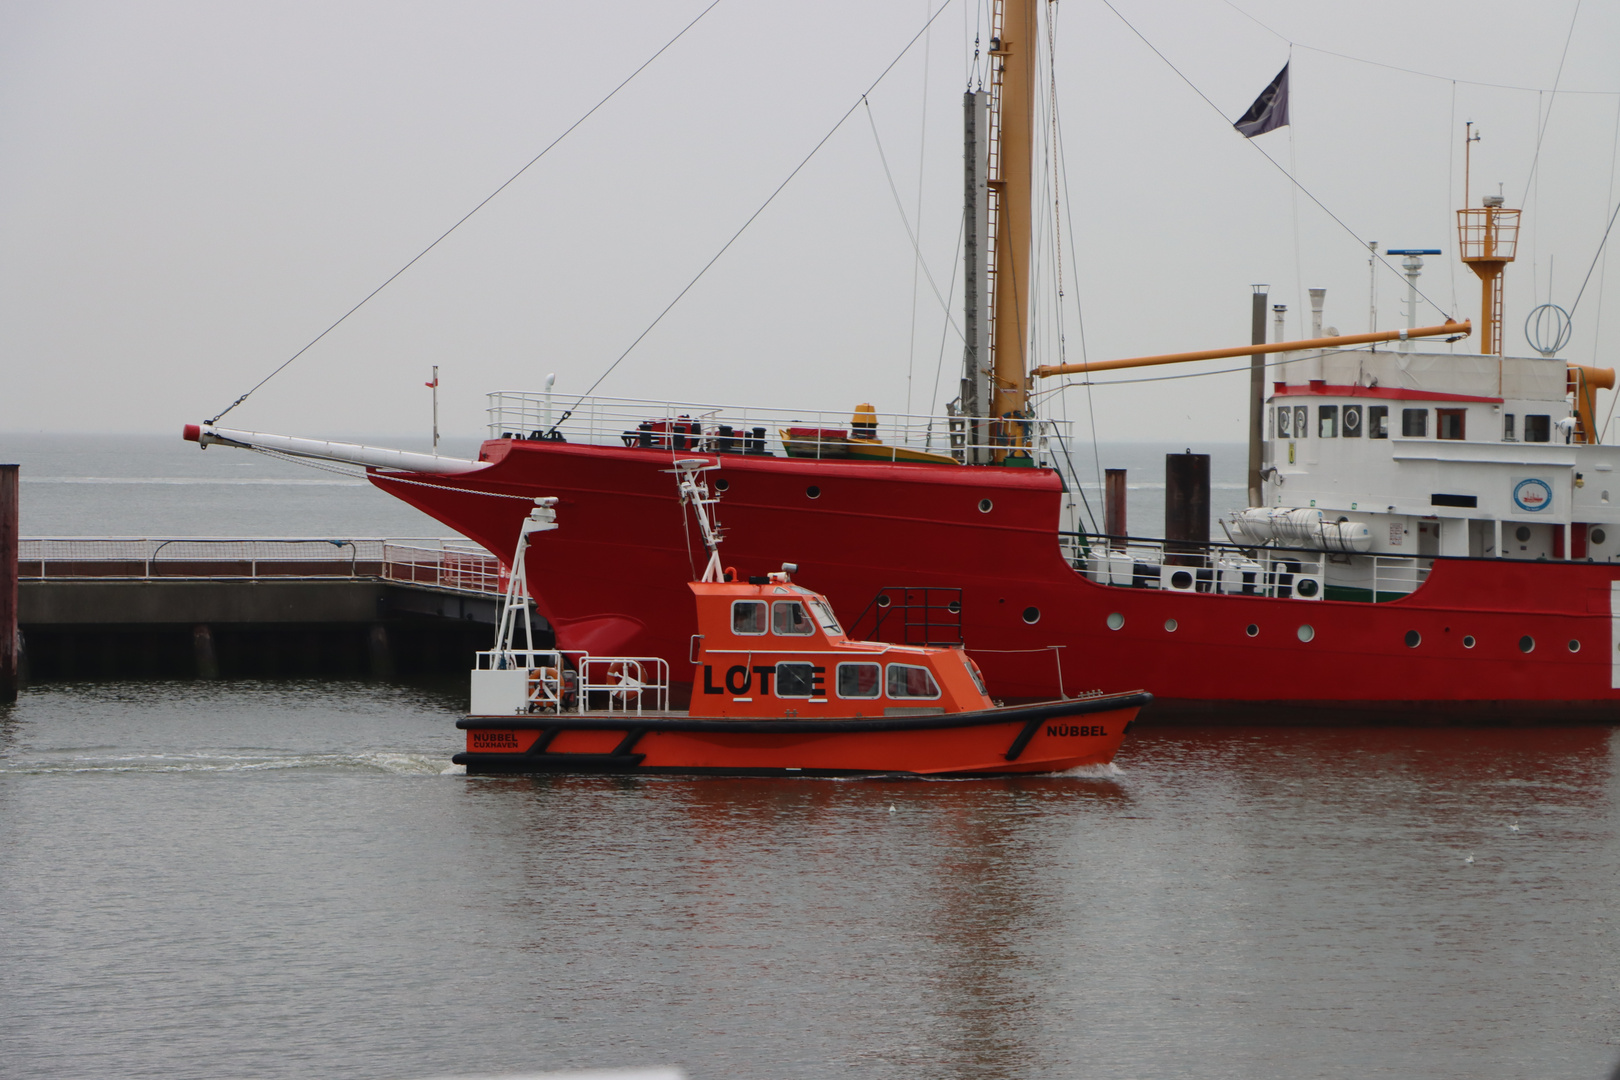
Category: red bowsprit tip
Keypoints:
(192, 433)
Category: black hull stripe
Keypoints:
(1025, 714)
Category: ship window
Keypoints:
(748, 616)
(911, 681)
(1507, 429)
(789, 618)
(1538, 428)
(1598, 536)
(1352, 422)
(1302, 421)
(860, 680)
(1415, 423)
(796, 680)
(1378, 421)
(825, 616)
(1327, 421)
(1450, 423)
(1522, 533)
(1285, 423)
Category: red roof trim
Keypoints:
(1391, 392)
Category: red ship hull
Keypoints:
(614, 581)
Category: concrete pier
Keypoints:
(401, 611)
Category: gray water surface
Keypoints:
(280, 880)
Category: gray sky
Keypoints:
(190, 192)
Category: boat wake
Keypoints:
(228, 761)
(1106, 771)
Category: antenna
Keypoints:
(694, 488)
(434, 386)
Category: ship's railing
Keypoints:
(1228, 569)
(618, 684)
(708, 428)
(455, 564)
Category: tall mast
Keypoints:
(976, 355)
(1012, 91)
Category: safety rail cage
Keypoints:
(697, 427)
(1233, 569)
(630, 684)
(928, 615)
(450, 563)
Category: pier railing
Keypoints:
(434, 562)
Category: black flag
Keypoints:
(1269, 111)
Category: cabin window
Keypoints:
(1285, 423)
(1538, 429)
(1450, 423)
(1302, 421)
(1352, 422)
(860, 680)
(789, 618)
(797, 680)
(1507, 429)
(825, 616)
(1327, 421)
(748, 616)
(1415, 423)
(911, 681)
(1378, 421)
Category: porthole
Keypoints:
(1522, 533)
(1574, 646)
(1306, 631)
(954, 607)
(1032, 615)
(1252, 630)
(722, 484)
(1468, 641)
(1115, 621)
(884, 601)
(1413, 639)
(1598, 535)
(1306, 587)
(1527, 644)
(813, 491)
(985, 506)
(1170, 626)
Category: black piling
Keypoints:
(1186, 508)
(10, 676)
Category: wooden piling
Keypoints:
(9, 658)
(1114, 508)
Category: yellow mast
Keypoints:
(1013, 42)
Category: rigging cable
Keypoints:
(470, 213)
(1274, 163)
(1396, 67)
(911, 235)
(1552, 99)
(751, 217)
(922, 161)
(1603, 275)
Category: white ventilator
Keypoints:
(1298, 527)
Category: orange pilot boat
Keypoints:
(777, 688)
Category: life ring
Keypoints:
(627, 687)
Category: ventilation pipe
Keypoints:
(1186, 508)
(1313, 365)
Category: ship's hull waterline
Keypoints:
(1542, 638)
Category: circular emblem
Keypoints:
(1532, 495)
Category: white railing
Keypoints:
(454, 564)
(708, 428)
(1235, 571)
(621, 684)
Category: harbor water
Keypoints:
(287, 878)
(282, 879)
